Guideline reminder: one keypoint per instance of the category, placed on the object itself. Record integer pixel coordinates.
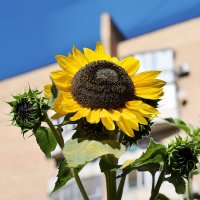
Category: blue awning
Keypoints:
(33, 32)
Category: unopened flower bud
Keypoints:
(27, 110)
(183, 156)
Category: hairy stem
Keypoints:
(60, 141)
(80, 185)
(110, 176)
(56, 133)
(110, 185)
(190, 195)
(155, 192)
(153, 182)
(120, 188)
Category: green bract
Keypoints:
(183, 156)
(27, 110)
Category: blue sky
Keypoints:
(33, 32)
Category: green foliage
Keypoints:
(79, 152)
(107, 163)
(183, 156)
(54, 94)
(27, 110)
(144, 131)
(150, 160)
(180, 124)
(196, 171)
(178, 183)
(196, 134)
(64, 175)
(85, 130)
(46, 140)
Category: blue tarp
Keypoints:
(33, 32)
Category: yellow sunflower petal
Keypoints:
(140, 118)
(130, 64)
(104, 113)
(114, 114)
(134, 124)
(145, 76)
(151, 93)
(114, 60)
(73, 61)
(90, 55)
(79, 57)
(67, 65)
(142, 107)
(62, 80)
(134, 116)
(127, 114)
(125, 127)
(81, 113)
(63, 87)
(101, 53)
(145, 108)
(61, 76)
(47, 90)
(108, 123)
(149, 83)
(57, 115)
(58, 100)
(93, 116)
(71, 108)
(65, 103)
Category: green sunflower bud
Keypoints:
(183, 156)
(27, 110)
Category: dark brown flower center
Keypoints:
(102, 84)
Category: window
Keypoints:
(163, 60)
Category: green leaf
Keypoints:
(54, 94)
(64, 175)
(180, 124)
(196, 171)
(162, 197)
(79, 152)
(178, 183)
(46, 140)
(148, 161)
(151, 166)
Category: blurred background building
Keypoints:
(163, 35)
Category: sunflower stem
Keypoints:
(110, 176)
(79, 183)
(60, 141)
(111, 185)
(155, 192)
(190, 196)
(56, 133)
(120, 188)
(153, 182)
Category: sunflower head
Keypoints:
(183, 156)
(103, 90)
(27, 110)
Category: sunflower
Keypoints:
(101, 88)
